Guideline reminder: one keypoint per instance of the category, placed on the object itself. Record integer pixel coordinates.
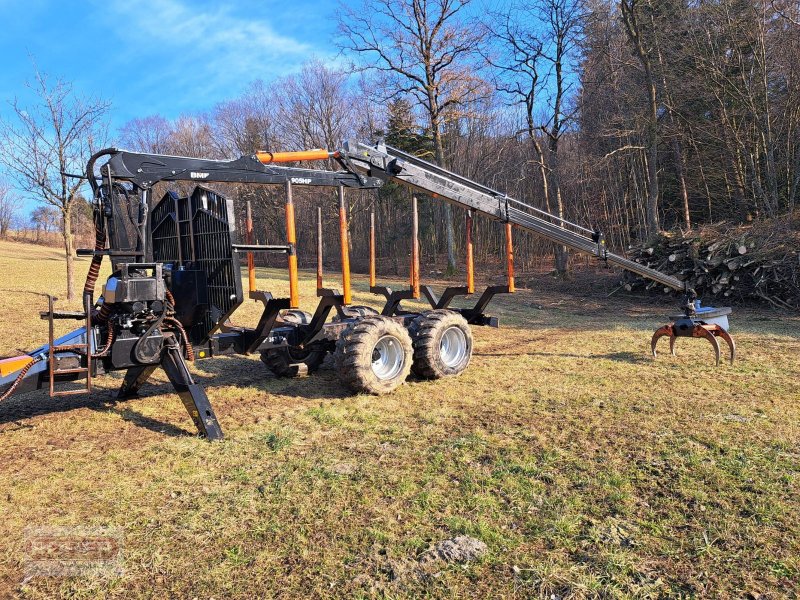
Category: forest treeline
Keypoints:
(632, 116)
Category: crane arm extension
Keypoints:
(389, 163)
(145, 170)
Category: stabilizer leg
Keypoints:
(192, 395)
(135, 378)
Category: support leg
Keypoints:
(192, 395)
(135, 378)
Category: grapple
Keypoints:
(705, 323)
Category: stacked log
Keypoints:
(734, 264)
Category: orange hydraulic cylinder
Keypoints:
(343, 239)
(470, 256)
(319, 248)
(251, 268)
(509, 258)
(372, 278)
(282, 157)
(291, 240)
(414, 248)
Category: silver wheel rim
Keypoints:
(453, 347)
(387, 358)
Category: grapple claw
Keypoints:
(666, 330)
(702, 331)
(694, 326)
(720, 332)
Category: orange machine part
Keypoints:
(343, 239)
(509, 258)
(414, 248)
(282, 157)
(470, 256)
(291, 239)
(251, 268)
(13, 364)
(319, 248)
(372, 277)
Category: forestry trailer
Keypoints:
(176, 280)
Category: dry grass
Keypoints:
(588, 468)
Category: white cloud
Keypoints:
(188, 50)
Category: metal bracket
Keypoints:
(447, 295)
(393, 299)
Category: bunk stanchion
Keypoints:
(509, 258)
(291, 240)
(251, 268)
(372, 278)
(414, 248)
(470, 256)
(344, 247)
(319, 249)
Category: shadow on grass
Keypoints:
(628, 357)
(37, 403)
(229, 371)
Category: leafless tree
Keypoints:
(47, 140)
(535, 61)
(636, 27)
(44, 219)
(9, 206)
(425, 50)
(148, 134)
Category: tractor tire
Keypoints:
(293, 316)
(442, 344)
(357, 311)
(374, 355)
(292, 362)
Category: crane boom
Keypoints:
(389, 163)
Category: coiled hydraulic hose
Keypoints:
(19, 378)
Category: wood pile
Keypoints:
(728, 264)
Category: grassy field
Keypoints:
(588, 468)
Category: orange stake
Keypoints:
(282, 157)
(319, 248)
(291, 240)
(345, 247)
(251, 267)
(470, 256)
(414, 247)
(509, 258)
(372, 278)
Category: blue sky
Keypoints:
(165, 57)
(160, 56)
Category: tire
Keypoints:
(374, 355)
(292, 362)
(442, 344)
(293, 316)
(357, 311)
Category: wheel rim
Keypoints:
(387, 358)
(453, 347)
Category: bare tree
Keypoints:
(635, 26)
(44, 219)
(148, 134)
(46, 141)
(9, 205)
(538, 61)
(425, 50)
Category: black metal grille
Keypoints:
(195, 234)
